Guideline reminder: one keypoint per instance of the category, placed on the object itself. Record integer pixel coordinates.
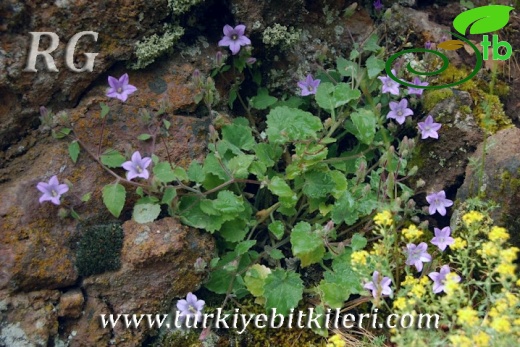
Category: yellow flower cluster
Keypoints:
(501, 325)
(506, 269)
(378, 249)
(472, 217)
(467, 316)
(400, 303)
(458, 243)
(359, 258)
(450, 285)
(481, 339)
(489, 250)
(384, 218)
(460, 341)
(412, 233)
(498, 234)
(509, 254)
(336, 341)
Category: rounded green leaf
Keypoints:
(114, 196)
(484, 19)
(146, 213)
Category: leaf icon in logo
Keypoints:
(482, 19)
(451, 45)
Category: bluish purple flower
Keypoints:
(119, 88)
(439, 278)
(378, 5)
(438, 202)
(234, 38)
(417, 82)
(52, 191)
(137, 166)
(379, 286)
(429, 128)
(417, 255)
(190, 307)
(428, 45)
(309, 85)
(399, 111)
(389, 85)
(442, 238)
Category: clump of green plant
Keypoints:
(280, 35)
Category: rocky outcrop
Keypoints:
(498, 179)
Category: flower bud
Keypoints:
(218, 58)
(416, 219)
(43, 111)
(251, 61)
(424, 225)
(200, 265)
(428, 45)
(196, 76)
(413, 170)
(420, 183)
(329, 226)
(411, 204)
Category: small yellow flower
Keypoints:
(472, 217)
(400, 303)
(467, 316)
(409, 280)
(509, 254)
(384, 218)
(511, 298)
(418, 291)
(458, 243)
(460, 341)
(506, 269)
(498, 234)
(359, 258)
(336, 341)
(424, 280)
(412, 233)
(378, 249)
(501, 325)
(489, 249)
(481, 339)
(517, 282)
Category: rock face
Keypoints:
(500, 180)
(442, 162)
(38, 249)
(157, 266)
(119, 24)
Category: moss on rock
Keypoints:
(99, 249)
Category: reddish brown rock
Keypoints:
(71, 304)
(500, 181)
(28, 319)
(157, 266)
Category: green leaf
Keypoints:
(169, 194)
(112, 158)
(374, 66)
(371, 45)
(239, 135)
(234, 230)
(276, 254)
(63, 132)
(232, 97)
(74, 151)
(146, 213)
(346, 67)
(484, 19)
(74, 214)
(277, 228)
(345, 210)
(144, 137)
(167, 124)
(358, 242)
(239, 165)
(307, 245)
(333, 294)
(213, 166)
(286, 124)
(195, 172)
(180, 173)
(330, 96)
(163, 172)
(279, 187)
(317, 184)
(86, 197)
(263, 100)
(104, 110)
(282, 290)
(268, 153)
(227, 203)
(244, 246)
(364, 122)
(114, 196)
(255, 279)
(192, 215)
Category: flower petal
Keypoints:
(228, 30)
